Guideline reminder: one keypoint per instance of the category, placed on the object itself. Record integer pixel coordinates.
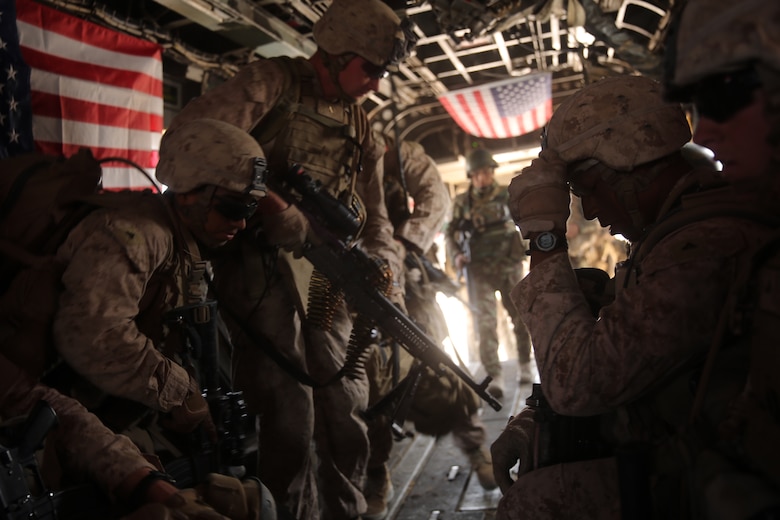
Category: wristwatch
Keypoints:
(548, 241)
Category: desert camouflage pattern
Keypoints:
(293, 415)
(586, 490)
(719, 36)
(121, 276)
(85, 447)
(618, 124)
(368, 28)
(662, 319)
(425, 186)
(230, 161)
(254, 91)
(496, 250)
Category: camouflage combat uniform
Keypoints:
(661, 322)
(84, 446)
(123, 273)
(269, 291)
(495, 249)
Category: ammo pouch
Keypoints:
(560, 439)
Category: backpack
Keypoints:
(42, 198)
(40, 203)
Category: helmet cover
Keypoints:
(210, 152)
(368, 28)
(721, 36)
(480, 158)
(621, 122)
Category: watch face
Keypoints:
(546, 241)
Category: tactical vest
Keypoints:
(325, 137)
(493, 235)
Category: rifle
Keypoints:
(351, 269)
(18, 463)
(228, 410)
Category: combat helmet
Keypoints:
(620, 122)
(210, 152)
(479, 158)
(368, 28)
(713, 37)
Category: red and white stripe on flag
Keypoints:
(93, 87)
(506, 108)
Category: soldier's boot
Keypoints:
(496, 386)
(378, 493)
(482, 465)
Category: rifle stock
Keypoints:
(351, 269)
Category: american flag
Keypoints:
(92, 87)
(15, 112)
(502, 109)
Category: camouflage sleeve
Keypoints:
(589, 365)
(431, 198)
(377, 237)
(83, 443)
(110, 261)
(242, 100)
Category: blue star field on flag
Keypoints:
(15, 109)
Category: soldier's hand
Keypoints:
(539, 197)
(512, 446)
(239, 500)
(288, 229)
(191, 413)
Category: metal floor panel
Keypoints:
(427, 487)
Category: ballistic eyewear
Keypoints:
(720, 97)
(233, 208)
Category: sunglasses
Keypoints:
(720, 97)
(235, 209)
(374, 71)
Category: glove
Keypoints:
(539, 196)
(239, 500)
(514, 444)
(161, 512)
(187, 504)
(191, 413)
(288, 228)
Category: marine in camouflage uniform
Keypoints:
(306, 112)
(631, 365)
(482, 238)
(80, 451)
(114, 334)
(724, 59)
(125, 265)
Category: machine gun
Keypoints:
(198, 322)
(352, 270)
(19, 464)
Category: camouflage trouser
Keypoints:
(578, 490)
(484, 281)
(293, 416)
